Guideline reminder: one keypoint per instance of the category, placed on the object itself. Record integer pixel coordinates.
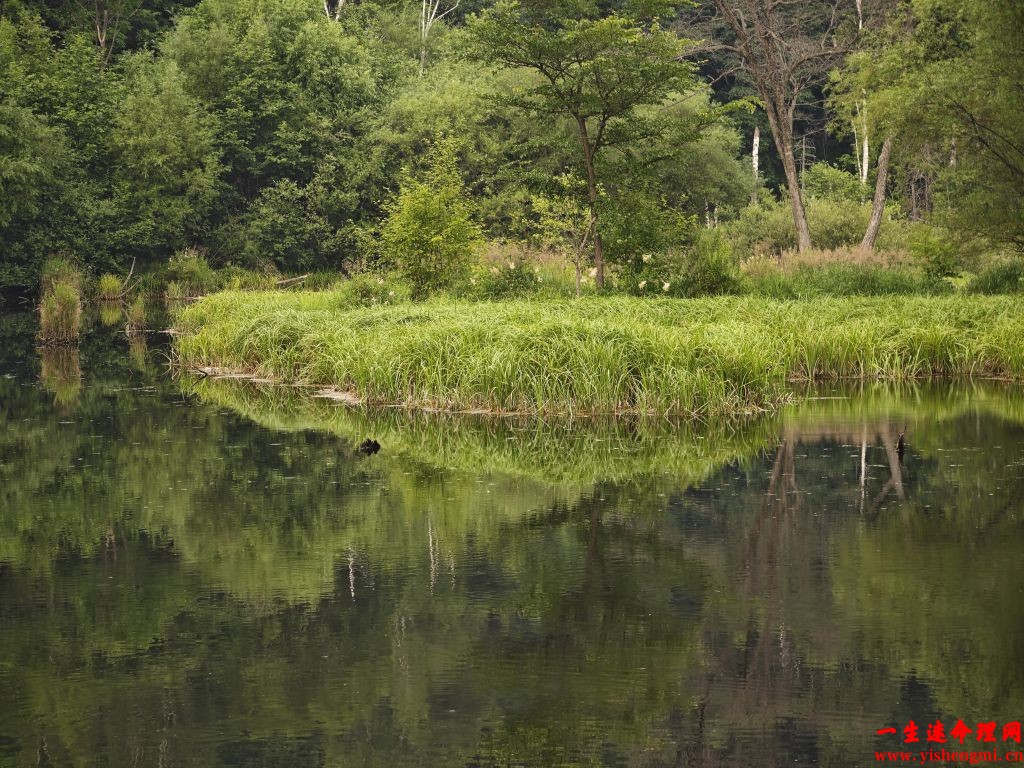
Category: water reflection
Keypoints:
(220, 577)
(61, 374)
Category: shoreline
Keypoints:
(596, 357)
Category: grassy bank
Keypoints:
(702, 357)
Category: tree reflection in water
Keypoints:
(220, 577)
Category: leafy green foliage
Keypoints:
(938, 256)
(767, 228)
(270, 136)
(166, 159)
(807, 282)
(370, 289)
(706, 268)
(430, 235)
(190, 274)
(61, 269)
(510, 279)
(947, 88)
(594, 71)
(827, 182)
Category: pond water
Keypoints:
(204, 573)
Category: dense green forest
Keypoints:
(637, 138)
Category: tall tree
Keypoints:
(594, 71)
(787, 49)
(943, 80)
(878, 203)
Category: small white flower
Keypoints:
(665, 287)
(593, 272)
(380, 281)
(643, 284)
(511, 264)
(391, 294)
(646, 258)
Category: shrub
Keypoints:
(710, 267)
(826, 182)
(60, 315)
(136, 316)
(766, 229)
(1005, 276)
(287, 225)
(505, 280)
(939, 256)
(369, 290)
(109, 287)
(190, 270)
(429, 234)
(707, 268)
(763, 229)
(836, 223)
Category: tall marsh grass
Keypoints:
(109, 287)
(60, 315)
(705, 357)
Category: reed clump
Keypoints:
(60, 315)
(109, 288)
(702, 357)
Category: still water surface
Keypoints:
(209, 573)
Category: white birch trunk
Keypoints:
(856, 149)
(754, 162)
(865, 162)
(430, 13)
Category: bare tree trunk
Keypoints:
(803, 233)
(878, 205)
(782, 134)
(754, 162)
